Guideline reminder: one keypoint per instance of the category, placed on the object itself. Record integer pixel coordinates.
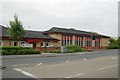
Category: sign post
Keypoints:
(63, 49)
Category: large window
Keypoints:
(79, 41)
(97, 42)
(88, 41)
(1, 43)
(66, 40)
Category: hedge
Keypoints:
(113, 47)
(74, 48)
(54, 51)
(70, 49)
(18, 51)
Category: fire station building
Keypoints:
(55, 37)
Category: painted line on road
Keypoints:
(25, 73)
(20, 65)
(85, 59)
(39, 64)
(108, 67)
(114, 57)
(67, 61)
(75, 75)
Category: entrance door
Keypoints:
(34, 45)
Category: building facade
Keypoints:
(36, 39)
(56, 37)
(87, 40)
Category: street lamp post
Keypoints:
(91, 41)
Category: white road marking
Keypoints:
(82, 53)
(25, 73)
(39, 64)
(76, 75)
(108, 67)
(20, 65)
(84, 59)
(79, 74)
(67, 61)
(114, 57)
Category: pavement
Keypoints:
(96, 64)
(42, 55)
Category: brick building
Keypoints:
(87, 40)
(55, 38)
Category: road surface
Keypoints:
(97, 64)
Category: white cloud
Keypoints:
(91, 15)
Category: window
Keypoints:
(47, 44)
(97, 42)
(88, 41)
(15, 43)
(42, 44)
(22, 43)
(1, 43)
(78, 41)
(66, 40)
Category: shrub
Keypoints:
(12, 52)
(55, 51)
(114, 44)
(70, 51)
(113, 47)
(4, 52)
(74, 48)
(37, 52)
(31, 51)
(50, 51)
(18, 51)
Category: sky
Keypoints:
(99, 16)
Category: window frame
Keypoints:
(88, 43)
(79, 41)
(66, 40)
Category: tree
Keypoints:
(112, 40)
(114, 44)
(16, 30)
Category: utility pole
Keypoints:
(29, 27)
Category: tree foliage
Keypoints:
(114, 44)
(16, 30)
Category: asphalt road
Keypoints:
(66, 66)
(94, 68)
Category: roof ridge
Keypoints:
(34, 31)
(70, 29)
